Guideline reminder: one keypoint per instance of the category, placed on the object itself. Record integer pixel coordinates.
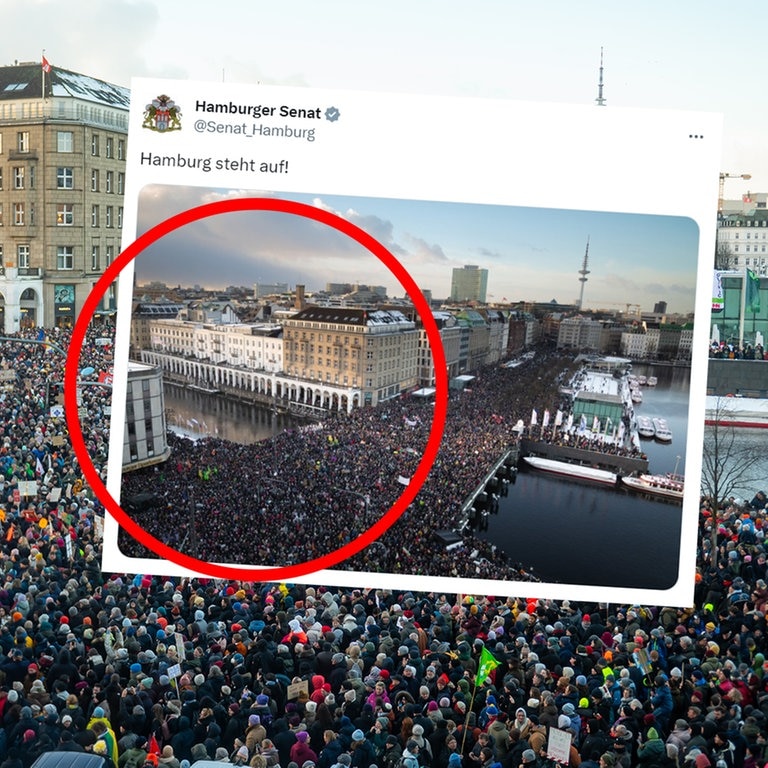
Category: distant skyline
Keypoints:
(531, 254)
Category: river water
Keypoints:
(573, 532)
(200, 414)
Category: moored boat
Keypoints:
(567, 469)
(645, 427)
(671, 486)
(652, 381)
(663, 433)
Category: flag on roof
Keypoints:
(46, 65)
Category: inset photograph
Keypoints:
(281, 388)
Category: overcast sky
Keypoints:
(687, 54)
(530, 254)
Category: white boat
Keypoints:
(652, 381)
(642, 380)
(566, 469)
(745, 412)
(663, 433)
(645, 427)
(671, 486)
(637, 396)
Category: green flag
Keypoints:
(487, 664)
(753, 292)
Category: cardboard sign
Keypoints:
(295, 689)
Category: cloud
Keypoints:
(77, 38)
(240, 248)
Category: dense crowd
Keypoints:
(723, 351)
(149, 671)
(332, 480)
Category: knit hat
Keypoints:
(358, 735)
(529, 756)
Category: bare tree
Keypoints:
(728, 462)
(723, 255)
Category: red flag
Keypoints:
(46, 65)
(152, 746)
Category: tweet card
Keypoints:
(411, 342)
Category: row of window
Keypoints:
(748, 248)
(65, 142)
(65, 256)
(24, 178)
(24, 214)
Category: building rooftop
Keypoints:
(24, 81)
(351, 316)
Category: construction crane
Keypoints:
(627, 306)
(723, 177)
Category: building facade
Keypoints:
(469, 283)
(742, 241)
(144, 436)
(62, 177)
(374, 352)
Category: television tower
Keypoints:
(600, 101)
(583, 272)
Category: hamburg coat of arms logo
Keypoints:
(162, 114)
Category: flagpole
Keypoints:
(469, 712)
(743, 306)
(42, 68)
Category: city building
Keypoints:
(370, 355)
(469, 283)
(450, 334)
(580, 332)
(260, 290)
(742, 241)
(144, 435)
(257, 347)
(62, 176)
(144, 313)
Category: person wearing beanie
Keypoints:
(410, 758)
(652, 751)
(101, 748)
(167, 759)
(255, 733)
(301, 752)
(392, 752)
(362, 751)
(133, 757)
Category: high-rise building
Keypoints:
(469, 283)
(62, 177)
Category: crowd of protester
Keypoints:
(309, 491)
(149, 671)
(724, 351)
